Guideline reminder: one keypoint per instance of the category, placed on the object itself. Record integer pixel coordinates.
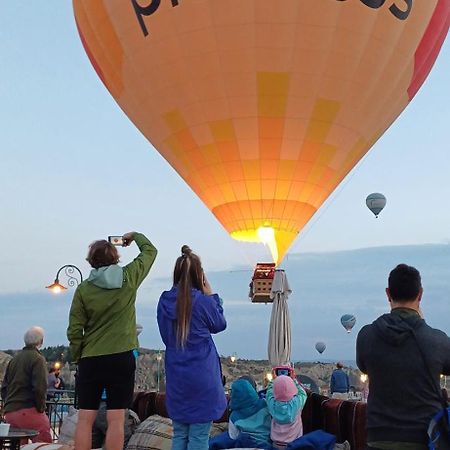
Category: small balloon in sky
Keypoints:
(348, 322)
(376, 202)
(320, 347)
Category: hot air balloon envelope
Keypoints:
(376, 202)
(348, 322)
(320, 347)
(263, 107)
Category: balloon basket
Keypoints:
(261, 283)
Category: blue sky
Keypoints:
(75, 169)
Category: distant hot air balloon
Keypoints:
(348, 322)
(376, 202)
(320, 347)
(262, 107)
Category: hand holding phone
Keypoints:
(122, 241)
(283, 370)
(206, 286)
(128, 238)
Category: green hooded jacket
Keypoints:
(102, 318)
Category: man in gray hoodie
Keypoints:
(404, 358)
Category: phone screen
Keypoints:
(116, 240)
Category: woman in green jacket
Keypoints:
(102, 336)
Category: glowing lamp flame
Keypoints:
(56, 287)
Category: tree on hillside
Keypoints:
(59, 353)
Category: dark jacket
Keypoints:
(194, 390)
(25, 381)
(403, 397)
(339, 381)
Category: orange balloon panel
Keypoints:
(263, 107)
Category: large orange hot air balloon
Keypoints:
(263, 106)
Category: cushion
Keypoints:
(156, 432)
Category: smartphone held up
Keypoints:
(117, 240)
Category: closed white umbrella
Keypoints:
(279, 347)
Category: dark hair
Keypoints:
(187, 274)
(102, 253)
(404, 283)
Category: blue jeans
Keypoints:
(194, 436)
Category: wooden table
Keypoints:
(15, 436)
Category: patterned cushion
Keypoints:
(156, 433)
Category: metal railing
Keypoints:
(57, 407)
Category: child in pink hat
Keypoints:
(285, 400)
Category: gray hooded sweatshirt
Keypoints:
(402, 395)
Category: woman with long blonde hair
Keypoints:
(188, 314)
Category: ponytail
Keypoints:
(188, 274)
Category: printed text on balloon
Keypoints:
(400, 12)
(148, 11)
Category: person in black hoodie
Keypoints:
(403, 358)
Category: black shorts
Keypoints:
(112, 373)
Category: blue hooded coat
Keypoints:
(194, 390)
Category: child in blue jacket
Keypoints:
(249, 414)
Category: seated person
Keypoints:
(285, 400)
(249, 414)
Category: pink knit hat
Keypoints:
(284, 388)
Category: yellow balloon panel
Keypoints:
(263, 107)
